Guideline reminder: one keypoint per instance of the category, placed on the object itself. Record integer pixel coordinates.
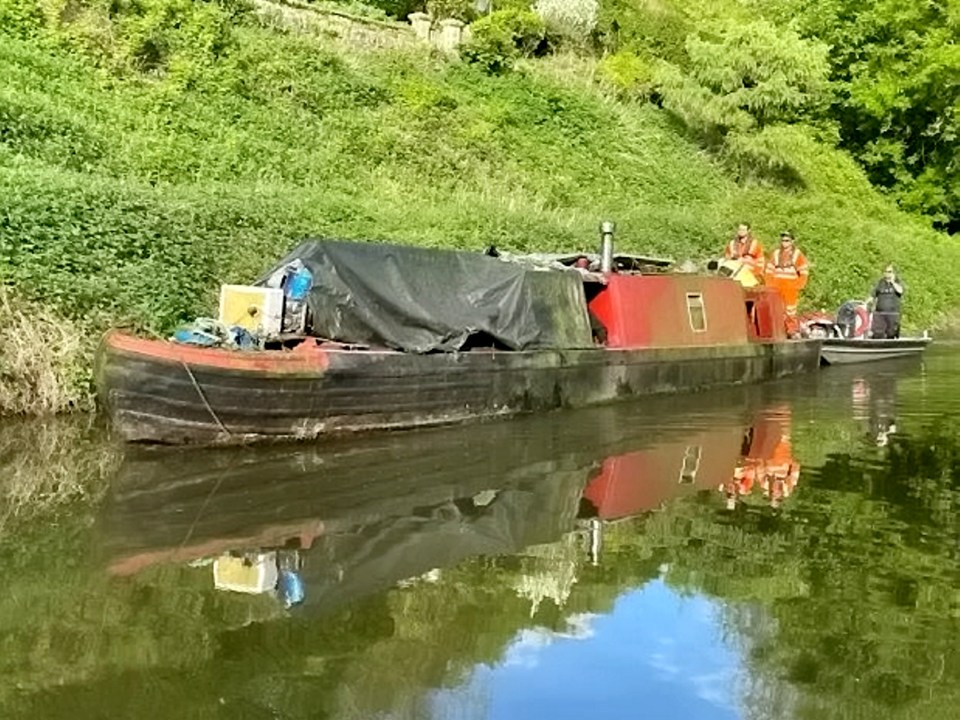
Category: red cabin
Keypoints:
(654, 311)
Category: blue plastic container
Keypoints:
(299, 283)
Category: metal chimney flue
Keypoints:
(606, 246)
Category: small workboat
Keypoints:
(842, 351)
(846, 337)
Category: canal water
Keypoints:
(790, 550)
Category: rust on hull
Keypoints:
(160, 392)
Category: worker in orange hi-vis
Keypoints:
(787, 271)
(747, 249)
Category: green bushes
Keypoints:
(890, 71)
(116, 252)
(895, 69)
(38, 127)
(629, 75)
(502, 37)
(157, 37)
(21, 18)
(659, 29)
(745, 77)
(743, 84)
(757, 74)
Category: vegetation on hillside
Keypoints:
(152, 149)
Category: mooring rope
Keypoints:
(203, 398)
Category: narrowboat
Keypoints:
(389, 336)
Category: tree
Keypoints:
(896, 69)
(746, 77)
(745, 83)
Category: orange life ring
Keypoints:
(862, 322)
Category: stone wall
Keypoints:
(445, 35)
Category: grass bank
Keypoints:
(44, 359)
(127, 198)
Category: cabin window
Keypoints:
(696, 312)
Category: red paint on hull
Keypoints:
(306, 358)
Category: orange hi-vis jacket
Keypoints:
(792, 265)
(749, 252)
(788, 273)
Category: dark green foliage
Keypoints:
(458, 9)
(896, 70)
(759, 71)
(894, 80)
(21, 18)
(504, 36)
(658, 29)
(744, 83)
(744, 78)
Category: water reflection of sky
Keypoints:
(655, 655)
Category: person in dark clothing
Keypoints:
(887, 298)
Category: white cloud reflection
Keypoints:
(525, 649)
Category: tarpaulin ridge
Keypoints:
(422, 300)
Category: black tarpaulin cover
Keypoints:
(421, 300)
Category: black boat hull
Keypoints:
(165, 393)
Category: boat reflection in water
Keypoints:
(324, 526)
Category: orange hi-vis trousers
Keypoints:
(789, 289)
(787, 271)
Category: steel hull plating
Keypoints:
(160, 392)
